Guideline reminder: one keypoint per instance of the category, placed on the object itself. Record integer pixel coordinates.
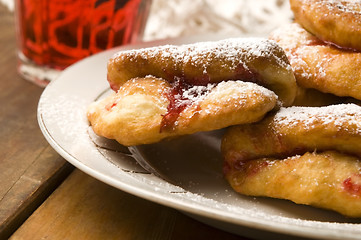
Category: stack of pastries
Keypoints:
(168, 91)
(308, 154)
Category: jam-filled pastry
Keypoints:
(309, 155)
(248, 59)
(148, 110)
(318, 65)
(333, 21)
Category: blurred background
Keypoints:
(175, 18)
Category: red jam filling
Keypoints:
(256, 167)
(202, 80)
(110, 106)
(114, 86)
(249, 167)
(178, 102)
(241, 72)
(352, 187)
(320, 42)
(247, 74)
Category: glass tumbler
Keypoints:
(53, 34)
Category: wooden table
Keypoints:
(44, 197)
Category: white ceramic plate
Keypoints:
(189, 169)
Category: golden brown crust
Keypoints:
(297, 129)
(328, 180)
(135, 114)
(247, 59)
(250, 151)
(333, 21)
(319, 66)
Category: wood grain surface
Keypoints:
(81, 207)
(85, 208)
(29, 168)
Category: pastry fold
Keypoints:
(309, 155)
(248, 59)
(148, 110)
(337, 22)
(318, 65)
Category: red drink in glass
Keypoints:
(54, 34)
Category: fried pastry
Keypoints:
(148, 110)
(306, 139)
(329, 180)
(318, 65)
(248, 59)
(334, 21)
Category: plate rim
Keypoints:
(286, 228)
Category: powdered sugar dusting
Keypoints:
(346, 6)
(197, 93)
(296, 41)
(233, 51)
(240, 90)
(341, 116)
(235, 92)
